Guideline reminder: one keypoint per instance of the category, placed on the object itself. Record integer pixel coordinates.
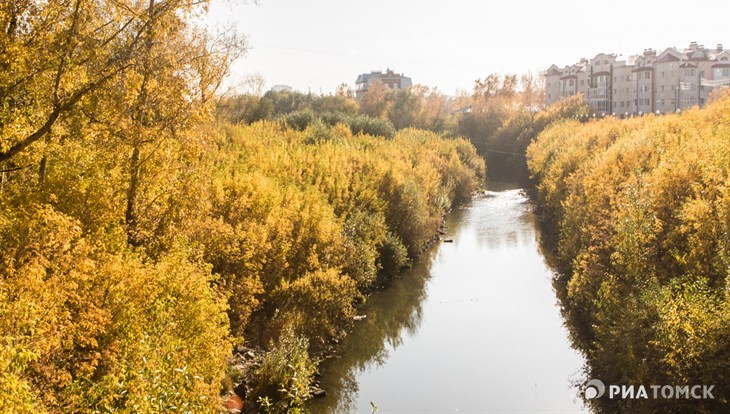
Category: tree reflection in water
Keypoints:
(392, 313)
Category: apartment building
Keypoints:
(390, 79)
(665, 82)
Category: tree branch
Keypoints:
(53, 116)
(7, 170)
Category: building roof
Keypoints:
(378, 74)
(362, 78)
(552, 70)
(644, 62)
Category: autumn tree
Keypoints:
(345, 91)
(151, 110)
(140, 72)
(374, 101)
(55, 55)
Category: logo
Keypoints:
(594, 389)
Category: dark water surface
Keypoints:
(473, 327)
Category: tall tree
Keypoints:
(138, 74)
(55, 54)
(375, 101)
(57, 58)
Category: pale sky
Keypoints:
(318, 44)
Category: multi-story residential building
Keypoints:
(390, 79)
(650, 82)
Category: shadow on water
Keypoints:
(390, 314)
(606, 366)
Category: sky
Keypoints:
(315, 45)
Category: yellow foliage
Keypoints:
(285, 207)
(84, 329)
(641, 206)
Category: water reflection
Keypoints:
(473, 327)
(391, 314)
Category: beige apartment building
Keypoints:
(666, 82)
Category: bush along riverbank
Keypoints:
(302, 224)
(641, 212)
(130, 294)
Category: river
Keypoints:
(473, 327)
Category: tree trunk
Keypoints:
(42, 172)
(130, 216)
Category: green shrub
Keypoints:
(284, 375)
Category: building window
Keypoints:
(647, 75)
(689, 71)
(601, 106)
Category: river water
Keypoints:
(473, 327)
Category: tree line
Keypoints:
(500, 116)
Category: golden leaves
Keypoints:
(641, 205)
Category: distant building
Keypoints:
(282, 88)
(390, 79)
(649, 82)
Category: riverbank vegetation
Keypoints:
(142, 238)
(261, 229)
(641, 211)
